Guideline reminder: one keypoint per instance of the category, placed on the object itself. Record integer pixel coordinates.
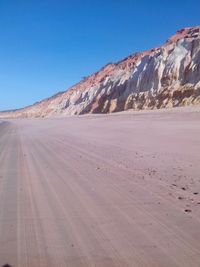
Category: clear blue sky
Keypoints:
(48, 45)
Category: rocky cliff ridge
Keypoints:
(166, 76)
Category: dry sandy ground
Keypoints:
(109, 190)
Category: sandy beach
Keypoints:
(101, 190)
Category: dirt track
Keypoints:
(120, 190)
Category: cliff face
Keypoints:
(166, 76)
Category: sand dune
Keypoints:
(107, 190)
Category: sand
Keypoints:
(105, 190)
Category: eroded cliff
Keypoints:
(166, 76)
